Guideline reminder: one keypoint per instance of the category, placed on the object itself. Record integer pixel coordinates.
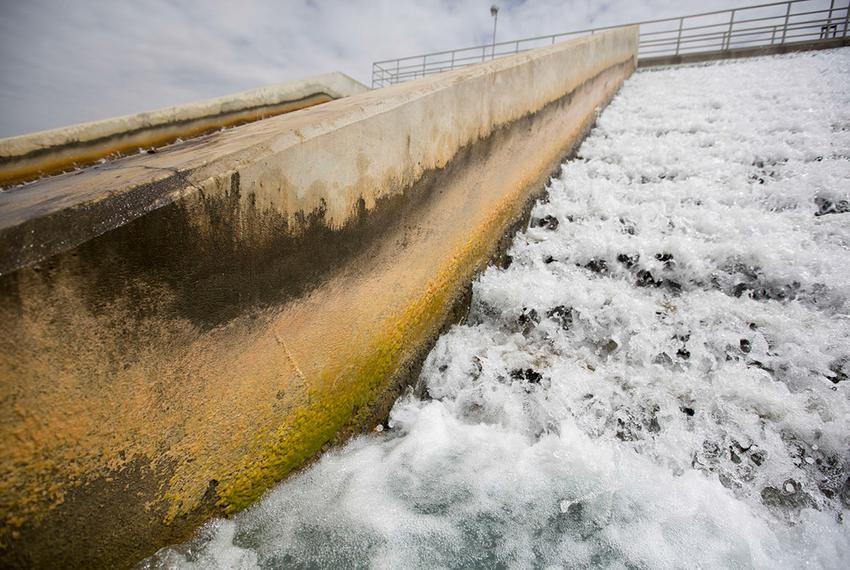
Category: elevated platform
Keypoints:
(738, 53)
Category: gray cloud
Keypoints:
(65, 62)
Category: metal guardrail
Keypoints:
(760, 25)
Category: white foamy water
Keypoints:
(658, 380)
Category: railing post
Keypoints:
(729, 32)
(453, 59)
(785, 27)
(825, 30)
(483, 53)
(679, 36)
(424, 58)
(846, 19)
(773, 35)
(516, 47)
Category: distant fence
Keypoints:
(778, 23)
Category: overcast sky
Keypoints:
(70, 61)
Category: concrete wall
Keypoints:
(184, 329)
(48, 152)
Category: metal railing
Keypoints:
(760, 25)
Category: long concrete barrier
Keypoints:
(27, 157)
(184, 329)
(743, 52)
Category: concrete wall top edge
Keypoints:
(334, 156)
(335, 84)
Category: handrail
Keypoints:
(730, 28)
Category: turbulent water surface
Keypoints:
(658, 380)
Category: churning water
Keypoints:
(658, 380)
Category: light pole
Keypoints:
(494, 11)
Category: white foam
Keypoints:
(586, 416)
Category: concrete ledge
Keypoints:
(738, 53)
(48, 152)
(184, 329)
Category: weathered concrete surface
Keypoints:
(738, 53)
(48, 152)
(221, 311)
